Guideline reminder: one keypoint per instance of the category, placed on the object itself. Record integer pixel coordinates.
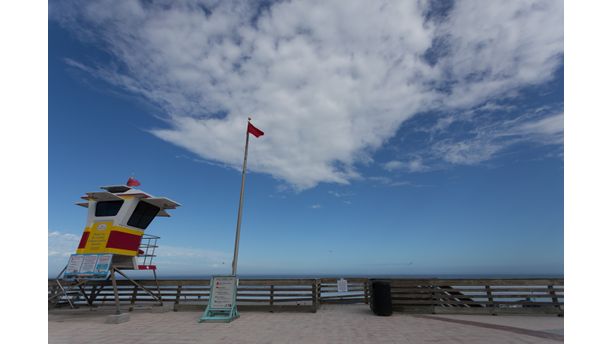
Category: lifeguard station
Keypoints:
(114, 239)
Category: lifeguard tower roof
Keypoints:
(119, 192)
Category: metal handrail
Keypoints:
(148, 245)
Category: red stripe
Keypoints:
(123, 241)
(84, 238)
(147, 267)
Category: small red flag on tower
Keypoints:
(133, 182)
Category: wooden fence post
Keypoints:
(133, 301)
(178, 296)
(434, 297)
(271, 297)
(555, 299)
(316, 294)
(490, 298)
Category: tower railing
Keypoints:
(148, 245)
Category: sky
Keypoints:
(413, 138)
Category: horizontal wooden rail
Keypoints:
(466, 296)
(478, 296)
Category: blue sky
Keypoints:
(417, 140)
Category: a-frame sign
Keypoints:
(222, 301)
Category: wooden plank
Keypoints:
(411, 298)
(348, 279)
(476, 282)
(542, 289)
(342, 302)
(483, 291)
(413, 302)
(185, 294)
(184, 283)
(276, 288)
(276, 300)
(296, 282)
(509, 303)
(492, 282)
(498, 296)
(335, 288)
(327, 298)
(483, 282)
(412, 290)
(276, 295)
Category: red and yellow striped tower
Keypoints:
(117, 218)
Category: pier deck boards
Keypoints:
(331, 324)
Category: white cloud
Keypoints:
(415, 164)
(468, 152)
(491, 138)
(329, 82)
(315, 206)
(548, 128)
(390, 182)
(340, 194)
(61, 244)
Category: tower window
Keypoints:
(108, 208)
(143, 215)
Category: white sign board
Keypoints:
(88, 266)
(89, 263)
(342, 286)
(74, 264)
(103, 264)
(223, 292)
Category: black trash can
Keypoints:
(380, 298)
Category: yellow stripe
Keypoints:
(110, 250)
(120, 229)
(121, 252)
(102, 239)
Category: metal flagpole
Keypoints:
(244, 164)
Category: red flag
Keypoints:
(133, 182)
(256, 132)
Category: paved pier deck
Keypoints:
(331, 324)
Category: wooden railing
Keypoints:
(468, 296)
(253, 294)
(357, 291)
(478, 296)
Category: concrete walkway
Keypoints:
(331, 324)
